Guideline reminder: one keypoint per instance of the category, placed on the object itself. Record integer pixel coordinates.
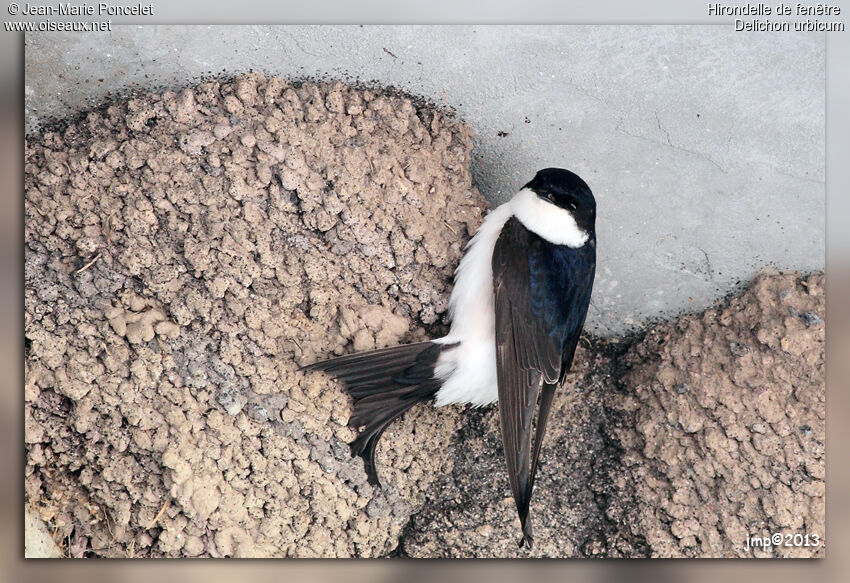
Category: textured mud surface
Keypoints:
(721, 421)
(186, 251)
(708, 431)
(470, 512)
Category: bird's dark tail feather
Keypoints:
(527, 539)
(383, 385)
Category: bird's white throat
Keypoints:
(543, 218)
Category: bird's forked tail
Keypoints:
(383, 384)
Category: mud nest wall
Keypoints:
(721, 424)
(704, 433)
(185, 251)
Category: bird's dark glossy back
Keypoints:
(561, 281)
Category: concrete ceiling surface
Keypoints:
(704, 146)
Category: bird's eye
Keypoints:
(550, 197)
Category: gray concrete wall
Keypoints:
(704, 147)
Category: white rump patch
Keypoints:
(469, 369)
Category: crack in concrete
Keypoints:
(298, 43)
(669, 143)
(707, 264)
(663, 131)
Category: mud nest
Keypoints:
(706, 432)
(184, 252)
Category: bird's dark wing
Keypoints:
(528, 358)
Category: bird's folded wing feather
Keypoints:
(527, 356)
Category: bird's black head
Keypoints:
(567, 191)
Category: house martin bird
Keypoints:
(517, 309)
